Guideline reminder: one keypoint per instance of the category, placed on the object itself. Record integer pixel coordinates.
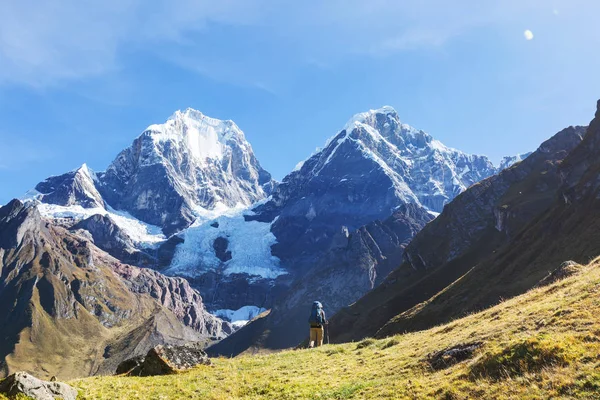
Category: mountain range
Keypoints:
(189, 201)
(497, 240)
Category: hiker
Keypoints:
(317, 321)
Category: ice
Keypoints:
(140, 232)
(205, 137)
(240, 317)
(249, 242)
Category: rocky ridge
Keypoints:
(74, 310)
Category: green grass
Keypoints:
(543, 344)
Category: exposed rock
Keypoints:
(165, 360)
(220, 245)
(77, 187)
(127, 366)
(109, 237)
(21, 383)
(452, 355)
(177, 295)
(565, 270)
(166, 251)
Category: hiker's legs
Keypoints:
(313, 337)
(320, 336)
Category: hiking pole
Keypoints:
(327, 325)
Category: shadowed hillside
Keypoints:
(494, 241)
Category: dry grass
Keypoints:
(543, 344)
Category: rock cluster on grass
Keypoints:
(446, 358)
(164, 360)
(565, 270)
(37, 389)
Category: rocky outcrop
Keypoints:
(175, 294)
(565, 270)
(21, 383)
(77, 187)
(166, 360)
(107, 235)
(453, 355)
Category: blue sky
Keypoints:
(79, 80)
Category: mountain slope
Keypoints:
(78, 187)
(366, 171)
(191, 166)
(356, 263)
(72, 310)
(541, 345)
(496, 240)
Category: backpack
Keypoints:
(316, 314)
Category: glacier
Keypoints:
(141, 233)
(240, 317)
(248, 241)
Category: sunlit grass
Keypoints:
(544, 344)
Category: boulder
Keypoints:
(127, 366)
(565, 270)
(30, 386)
(165, 360)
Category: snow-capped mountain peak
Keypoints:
(369, 118)
(202, 136)
(77, 187)
(372, 166)
(183, 168)
(509, 161)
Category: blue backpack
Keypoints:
(316, 314)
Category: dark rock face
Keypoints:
(128, 366)
(166, 251)
(236, 290)
(496, 202)
(495, 237)
(109, 237)
(76, 187)
(220, 245)
(166, 360)
(21, 383)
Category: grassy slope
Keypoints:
(542, 344)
